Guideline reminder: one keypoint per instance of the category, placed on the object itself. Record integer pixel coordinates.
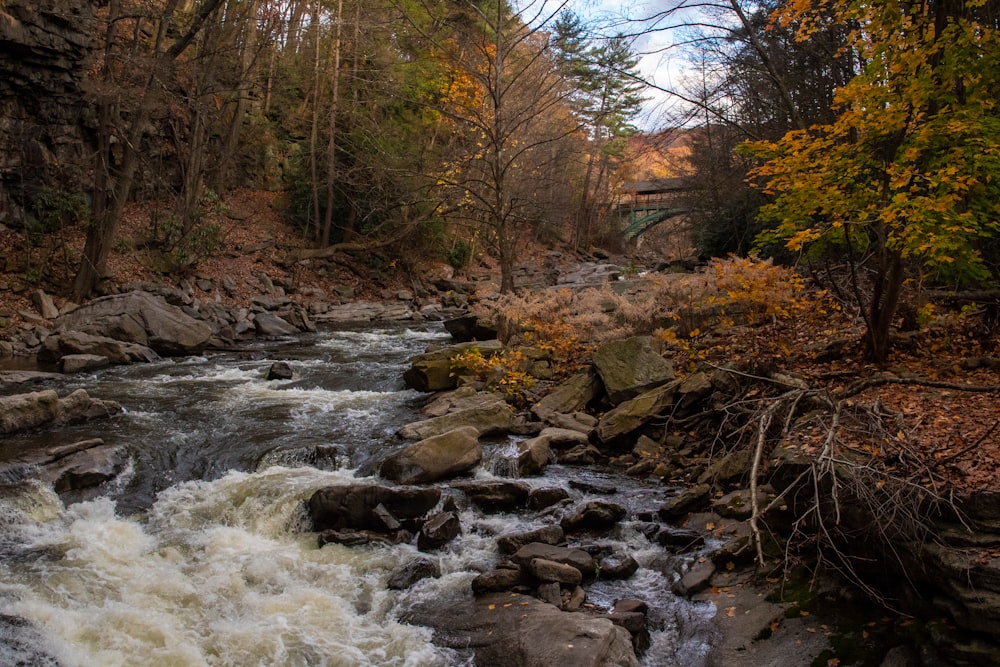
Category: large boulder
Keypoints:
(571, 396)
(496, 495)
(630, 367)
(637, 412)
(269, 325)
(140, 317)
(435, 458)
(22, 412)
(71, 343)
(433, 371)
(504, 630)
(73, 470)
(356, 506)
(487, 413)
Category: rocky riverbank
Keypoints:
(742, 520)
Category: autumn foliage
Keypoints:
(907, 178)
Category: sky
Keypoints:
(661, 61)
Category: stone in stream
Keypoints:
(546, 496)
(509, 544)
(71, 343)
(438, 530)
(550, 571)
(634, 413)
(500, 579)
(505, 630)
(496, 496)
(414, 571)
(488, 413)
(594, 516)
(352, 506)
(22, 412)
(433, 371)
(617, 566)
(578, 558)
(435, 458)
(74, 363)
(687, 500)
(694, 580)
(280, 370)
(571, 396)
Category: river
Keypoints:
(200, 554)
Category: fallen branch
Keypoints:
(882, 380)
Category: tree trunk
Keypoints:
(885, 301)
(113, 184)
(331, 148)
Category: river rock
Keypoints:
(280, 370)
(66, 343)
(532, 456)
(45, 305)
(488, 414)
(694, 580)
(496, 496)
(433, 371)
(359, 538)
(500, 579)
(630, 367)
(75, 363)
(139, 317)
(617, 566)
(509, 544)
(352, 506)
(470, 327)
(450, 401)
(687, 500)
(71, 469)
(578, 558)
(550, 571)
(580, 455)
(88, 467)
(546, 496)
(519, 631)
(435, 458)
(21, 412)
(594, 516)
(417, 569)
(269, 325)
(734, 465)
(438, 530)
(632, 414)
(577, 421)
(571, 396)
(680, 539)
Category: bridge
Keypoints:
(651, 202)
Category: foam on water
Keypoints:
(219, 573)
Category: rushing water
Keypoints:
(198, 555)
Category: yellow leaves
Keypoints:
(802, 238)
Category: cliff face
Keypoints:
(45, 49)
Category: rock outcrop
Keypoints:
(142, 318)
(45, 51)
(22, 412)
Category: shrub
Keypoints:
(506, 372)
